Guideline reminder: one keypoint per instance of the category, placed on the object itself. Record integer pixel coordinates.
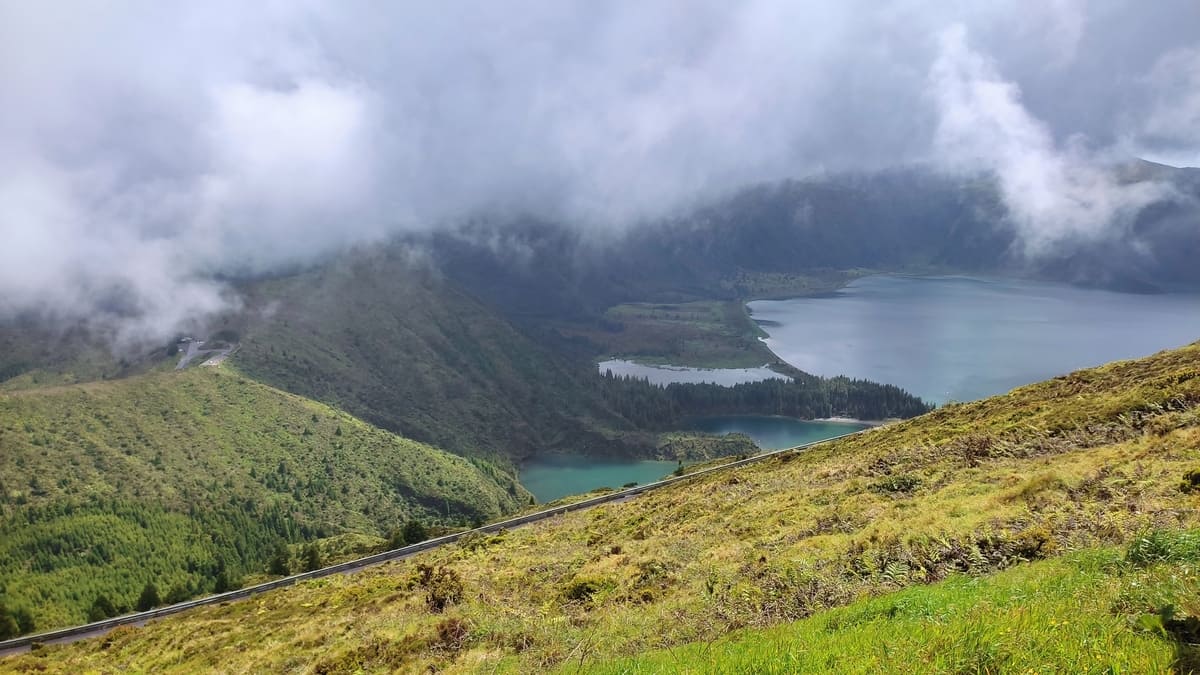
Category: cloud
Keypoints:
(147, 147)
(1055, 194)
(1169, 129)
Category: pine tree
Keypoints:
(102, 608)
(149, 598)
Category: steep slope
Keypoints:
(385, 338)
(1089, 459)
(171, 478)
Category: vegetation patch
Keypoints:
(1083, 613)
(896, 485)
(192, 481)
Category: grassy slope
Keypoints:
(1085, 460)
(1074, 614)
(395, 345)
(151, 478)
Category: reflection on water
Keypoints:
(773, 433)
(958, 338)
(550, 478)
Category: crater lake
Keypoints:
(964, 338)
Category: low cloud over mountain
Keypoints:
(146, 148)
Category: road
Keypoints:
(194, 350)
(96, 629)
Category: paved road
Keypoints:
(221, 356)
(194, 350)
(64, 635)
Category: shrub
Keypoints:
(451, 635)
(24, 619)
(102, 608)
(902, 484)
(179, 593)
(1191, 481)
(415, 532)
(1033, 543)
(443, 585)
(584, 589)
(312, 558)
(8, 625)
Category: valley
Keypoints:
(1084, 462)
(342, 401)
(630, 337)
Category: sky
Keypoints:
(146, 147)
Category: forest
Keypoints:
(656, 408)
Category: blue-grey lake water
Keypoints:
(960, 338)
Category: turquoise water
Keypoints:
(555, 477)
(773, 433)
(668, 374)
(959, 338)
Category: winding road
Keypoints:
(98, 628)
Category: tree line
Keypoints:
(216, 576)
(657, 407)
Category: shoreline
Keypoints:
(853, 420)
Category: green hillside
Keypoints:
(171, 477)
(1093, 611)
(1101, 458)
(391, 342)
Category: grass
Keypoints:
(108, 485)
(1087, 461)
(1082, 613)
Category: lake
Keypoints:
(665, 375)
(961, 338)
(773, 433)
(552, 478)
